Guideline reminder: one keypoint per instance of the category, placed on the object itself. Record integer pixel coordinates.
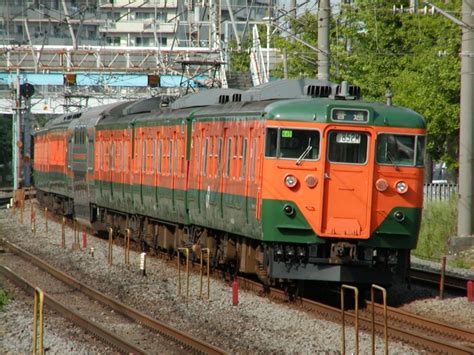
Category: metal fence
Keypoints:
(439, 192)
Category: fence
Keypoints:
(439, 192)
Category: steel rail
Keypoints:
(451, 281)
(153, 324)
(397, 315)
(405, 334)
(102, 333)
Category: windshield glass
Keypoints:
(290, 143)
(398, 149)
(347, 147)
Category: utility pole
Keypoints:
(324, 14)
(466, 126)
(16, 134)
(466, 129)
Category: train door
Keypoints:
(347, 183)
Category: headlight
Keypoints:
(401, 187)
(290, 180)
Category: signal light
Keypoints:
(153, 81)
(70, 79)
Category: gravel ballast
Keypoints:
(256, 325)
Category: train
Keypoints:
(292, 180)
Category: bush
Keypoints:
(4, 299)
(437, 226)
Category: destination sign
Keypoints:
(349, 115)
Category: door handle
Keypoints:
(326, 176)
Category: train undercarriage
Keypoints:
(336, 261)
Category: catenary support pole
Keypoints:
(324, 14)
(466, 166)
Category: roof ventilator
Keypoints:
(223, 99)
(236, 97)
(347, 92)
(318, 91)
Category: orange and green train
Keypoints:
(291, 180)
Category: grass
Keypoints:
(4, 299)
(437, 226)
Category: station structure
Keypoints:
(81, 53)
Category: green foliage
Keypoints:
(414, 56)
(437, 226)
(4, 299)
(460, 262)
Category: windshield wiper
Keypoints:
(392, 160)
(304, 154)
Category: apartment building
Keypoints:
(136, 23)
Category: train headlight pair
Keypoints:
(400, 186)
(291, 181)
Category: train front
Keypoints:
(342, 190)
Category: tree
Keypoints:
(413, 55)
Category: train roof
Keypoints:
(320, 110)
(297, 100)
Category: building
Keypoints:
(142, 23)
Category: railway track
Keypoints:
(418, 331)
(409, 328)
(181, 339)
(432, 278)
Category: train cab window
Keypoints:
(347, 147)
(399, 149)
(289, 143)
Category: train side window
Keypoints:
(229, 157)
(420, 150)
(204, 155)
(219, 156)
(170, 156)
(253, 159)
(112, 155)
(176, 157)
(396, 149)
(160, 145)
(124, 153)
(243, 172)
(271, 144)
(348, 147)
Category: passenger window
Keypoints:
(348, 147)
(396, 149)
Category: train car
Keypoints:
(292, 180)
